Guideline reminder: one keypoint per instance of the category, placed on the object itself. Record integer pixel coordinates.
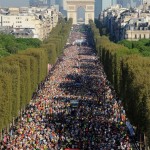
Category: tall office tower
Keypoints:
(63, 7)
(101, 5)
(64, 4)
(106, 4)
(129, 3)
(41, 2)
(44, 2)
(141, 2)
(49, 3)
(14, 3)
(59, 2)
(113, 2)
(120, 2)
(98, 7)
(133, 3)
(52, 2)
(33, 2)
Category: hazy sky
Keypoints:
(12, 3)
(18, 3)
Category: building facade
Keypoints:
(39, 20)
(74, 5)
(101, 5)
(123, 23)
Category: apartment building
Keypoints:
(38, 20)
(124, 23)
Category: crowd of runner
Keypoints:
(77, 109)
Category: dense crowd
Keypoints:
(77, 108)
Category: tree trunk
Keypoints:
(145, 143)
(140, 142)
(1, 136)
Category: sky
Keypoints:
(14, 3)
(22, 3)
(18, 3)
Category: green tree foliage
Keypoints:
(51, 52)
(3, 53)
(129, 72)
(21, 73)
(23, 63)
(11, 45)
(5, 99)
(14, 74)
(143, 46)
(29, 42)
(59, 35)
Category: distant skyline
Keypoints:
(100, 5)
(14, 3)
(105, 3)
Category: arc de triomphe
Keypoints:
(73, 5)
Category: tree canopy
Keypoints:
(143, 46)
(21, 73)
(129, 72)
(11, 45)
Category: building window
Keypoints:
(144, 36)
(135, 36)
(18, 17)
(140, 36)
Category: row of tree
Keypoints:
(142, 46)
(11, 45)
(21, 73)
(129, 72)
